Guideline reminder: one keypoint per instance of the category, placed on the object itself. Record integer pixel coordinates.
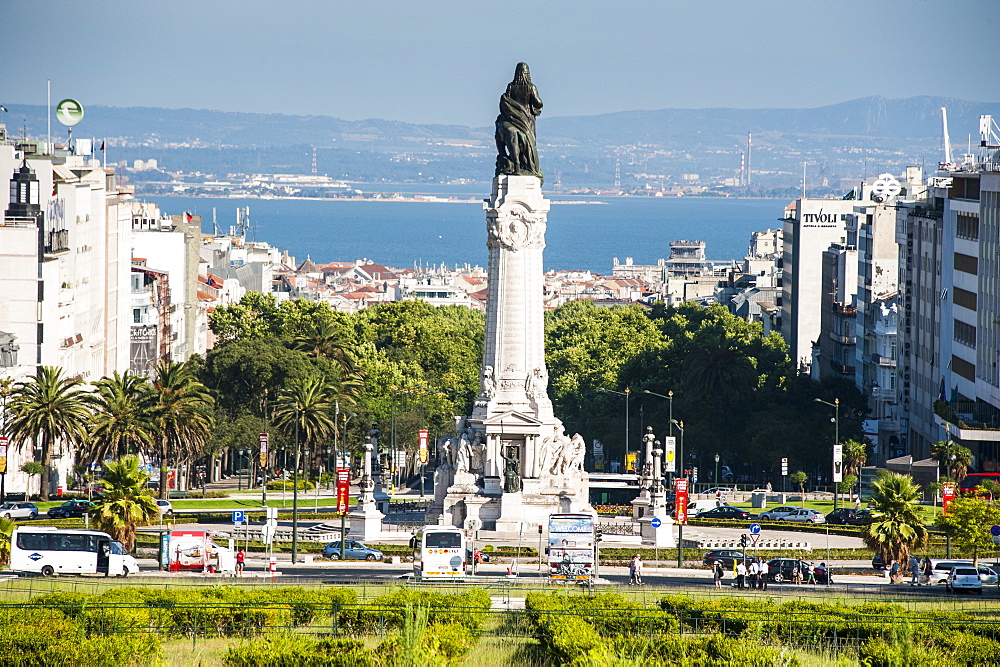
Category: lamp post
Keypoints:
(626, 394)
(669, 397)
(680, 525)
(680, 448)
(295, 492)
(716, 478)
(836, 433)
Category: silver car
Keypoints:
(941, 569)
(778, 513)
(19, 510)
(805, 516)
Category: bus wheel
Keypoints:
(48, 571)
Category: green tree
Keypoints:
(183, 416)
(847, 485)
(799, 478)
(855, 456)
(123, 420)
(898, 527)
(968, 524)
(306, 408)
(953, 458)
(48, 411)
(31, 469)
(123, 505)
(6, 531)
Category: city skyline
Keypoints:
(441, 62)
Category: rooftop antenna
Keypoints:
(947, 138)
(215, 224)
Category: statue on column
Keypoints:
(512, 471)
(517, 152)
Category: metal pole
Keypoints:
(295, 493)
(627, 392)
(670, 399)
(680, 544)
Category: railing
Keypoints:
(619, 528)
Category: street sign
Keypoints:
(656, 523)
(473, 523)
(694, 475)
(753, 539)
(995, 531)
(755, 529)
(996, 539)
(239, 516)
(784, 467)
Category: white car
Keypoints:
(964, 577)
(941, 570)
(19, 511)
(805, 516)
(778, 513)
(164, 507)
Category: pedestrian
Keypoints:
(797, 572)
(857, 505)
(768, 487)
(822, 574)
(717, 573)
(927, 570)
(762, 574)
(240, 562)
(752, 574)
(894, 571)
(637, 563)
(741, 575)
(914, 570)
(631, 570)
(811, 573)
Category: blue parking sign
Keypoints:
(238, 516)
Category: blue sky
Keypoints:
(447, 61)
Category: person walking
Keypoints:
(762, 574)
(741, 575)
(240, 562)
(927, 569)
(717, 573)
(894, 571)
(752, 573)
(631, 570)
(637, 567)
(811, 573)
(914, 570)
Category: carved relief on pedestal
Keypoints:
(536, 384)
(516, 228)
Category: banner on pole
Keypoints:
(343, 489)
(670, 454)
(947, 495)
(3, 455)
(838, 463)
(423, 446)
(681, 500)
(263, 450)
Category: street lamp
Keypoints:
(670, 416)
(680, 449)
(626, 394)
(836, 433)
(716, 479)
(295, 491)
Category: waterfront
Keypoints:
(404, 233)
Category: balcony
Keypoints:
(968, 420)
(842, 369)
(843, 340)
(884, 362)
(841, 309)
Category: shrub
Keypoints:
(467, 608)
(289, 485)
(288, 649)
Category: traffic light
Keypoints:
(743, 541)
(539, 530)
(598, 536)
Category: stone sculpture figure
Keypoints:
(511, 471)
(562, 449)
(577, 451)
(489, 382)
(517, 152)
(478, 453)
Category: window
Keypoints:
(963, 368)
(967, 226)
(33, 541)
(443, 540)
(965, 333)
(966, 263)
(964, 298)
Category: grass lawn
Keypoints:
(929, 513)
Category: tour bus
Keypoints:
(974, 479)
(439, 553)
(49, 551)
(572, 541)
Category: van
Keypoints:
(941, 569)
(699, 506)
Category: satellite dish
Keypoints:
(69, 112)
(885, 188)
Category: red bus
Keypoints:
(974, 479)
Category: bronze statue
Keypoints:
(512, 471)
(517, 153)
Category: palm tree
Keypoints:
(50, 412)
(855, 456)
(953, 457)
(897, 528)
(123, 418)
(182, 409)
(320, 338)
(124, 506)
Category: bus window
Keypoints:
(33, 541)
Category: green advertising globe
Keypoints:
(69, 112)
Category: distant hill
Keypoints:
(915, 117)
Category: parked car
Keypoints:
(964, 578)
(719, 490)
(780, 570)
(724, 512)
(804, 516)
(164, 507)
(848, 516)
(727, 556)
(70, 509)
(19, 511)
(941, 570)
(778, 513)
(352, 551)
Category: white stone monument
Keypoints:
(511, 461)
(365, 518)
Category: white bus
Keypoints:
(572, 541)
(50, 551)
(439, 552)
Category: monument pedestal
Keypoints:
(366, 522)
(662, 537)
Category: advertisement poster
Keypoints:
(630, 460)
(669, 454)
(947, 495)
(3, 455)
(571, 547)
(343, 489)
(838, 463)
(423, 447)
(681, 501)
(263, 450)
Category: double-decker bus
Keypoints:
(572, 542)
(439, 552)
